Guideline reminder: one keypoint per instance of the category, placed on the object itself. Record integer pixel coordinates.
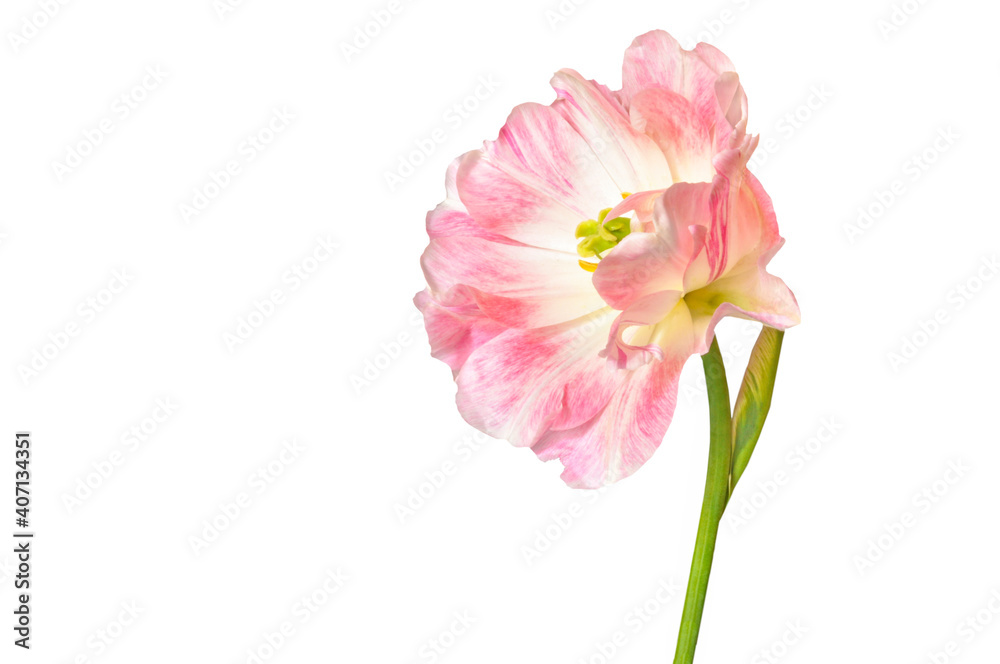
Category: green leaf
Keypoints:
(754, 399)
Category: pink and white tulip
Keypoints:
(577, 353)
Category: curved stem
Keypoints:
(716, 495)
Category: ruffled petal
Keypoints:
(455, 325)
(680, 132)
(642, 204)
(524, 383)
(646, 263)
(751, 294)
(656, 60)
(537, 181)
(769, 235)
(630, 344)
(631, 159)
(725, 203)
(451, 219)
(624, 434)
(584, 367)
(517, 285)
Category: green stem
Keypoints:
(716, 495)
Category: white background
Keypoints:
(890, 430)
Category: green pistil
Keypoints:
(602, 234)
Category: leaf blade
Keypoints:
(754, 399)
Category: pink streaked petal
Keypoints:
(526, 382)
(455, 325)
(642, 264)
(733, 102)
(537, 181)
(751, 294)
(642, 204)
(647, 263)
(769, 236)
(730, 166)
(551, 285)
(528, 311)
(752, 229)
(450, 219)
(729, 94)
(656, 60)
(639, 349)
(451, 177)
(631, 159)
(680, 132)
(624, 435)
(713, 58)
(681, 216)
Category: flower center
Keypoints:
(601, 235)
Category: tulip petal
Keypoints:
(451, 219)
(679, 131)
(456, 327)
(523, 383)
(517, 285)
(730, 166)
(626, 432)
(656, 60)
(537, 181)
(647, 263)
(642, 204)
(630, 158)
(583, 364)
(652, 323)
(733, 102)
(751, 294)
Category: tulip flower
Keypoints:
(581, 258)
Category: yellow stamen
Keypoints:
(600, 235)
